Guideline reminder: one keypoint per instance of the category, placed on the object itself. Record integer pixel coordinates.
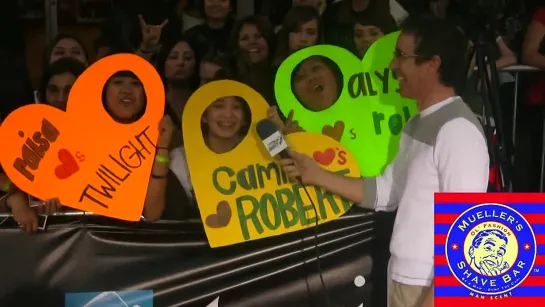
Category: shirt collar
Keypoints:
(437, 106)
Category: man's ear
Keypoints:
(471, 251)
(435, 62)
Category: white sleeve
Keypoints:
(461, 157)
(178, 165)
(378, 192)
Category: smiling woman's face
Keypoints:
(252, 44)
(125, 97)
(315, 84)
(224, 118)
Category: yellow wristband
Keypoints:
(7, 185)
(162, 159)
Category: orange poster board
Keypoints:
(83, 156)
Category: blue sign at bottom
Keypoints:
(110, 299)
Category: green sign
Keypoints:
(369, 114)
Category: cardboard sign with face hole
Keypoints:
(369, 114)
(243, 195)
(83, 156)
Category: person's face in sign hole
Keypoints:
(125, 96)
(58, 88)
(224, 118)
(365, 36)
(315, 84)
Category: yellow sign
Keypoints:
(243, 195)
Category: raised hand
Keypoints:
(166, 130)
(287, 127)
(150, 35)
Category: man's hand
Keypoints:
(301, 165)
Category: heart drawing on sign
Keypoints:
(324, 157)
(335, 132)
(222, 217)
(89, 157)
(68, 166)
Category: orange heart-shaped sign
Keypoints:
(83, 156)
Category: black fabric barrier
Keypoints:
(94, 254)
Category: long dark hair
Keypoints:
(266, 30)
(295, 18)
(162, 55)
(49, 48)
(60, 66)
(259, 76)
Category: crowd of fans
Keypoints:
(248, 50)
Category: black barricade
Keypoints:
(173, 260)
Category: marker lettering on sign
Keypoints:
(395, 121)
(129, 158)
(285, 207)
(35, 148)
(361, 84)
(253, 177)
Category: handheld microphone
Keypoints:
(272, 139)
(276, 146)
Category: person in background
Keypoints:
(252, 41)
(340, 17)
(125, 86)
(301, 28)
(212, 64)
(318, 5)
(65, 46)
(215, 32)
(225, 123)
(122, 31)
(368, 28)
(177, 65)
(57, 80)
(531, 114)
(533, 54)
(448, 153)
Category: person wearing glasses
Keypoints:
(442, 149)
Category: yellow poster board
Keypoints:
(83, 156)
(243, 195)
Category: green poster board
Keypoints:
(369, 115)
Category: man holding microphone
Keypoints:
(442, 149)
